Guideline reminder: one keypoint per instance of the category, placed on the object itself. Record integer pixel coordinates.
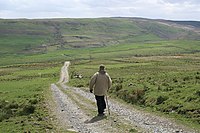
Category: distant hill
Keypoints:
(194, 24)
(41, 35)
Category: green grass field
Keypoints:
(23, 94)
(156, 72)
(166, 80)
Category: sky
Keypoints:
(154, 9)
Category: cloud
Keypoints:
(183, 1)
(183, 9)
(164, 9)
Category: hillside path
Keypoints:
(76, 111)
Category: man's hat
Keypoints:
(101, 67)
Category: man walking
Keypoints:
(100, 83)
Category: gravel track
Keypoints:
(75, 117)
(146, 121)
(72, 114)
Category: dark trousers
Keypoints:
(101, 104)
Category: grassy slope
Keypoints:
(140, 52)
(20, 36)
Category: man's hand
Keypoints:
(91, 90)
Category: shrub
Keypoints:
(136, 96)
(146, 88)
(3, 115)
(186, 78)
(170, 88)
(118, 87)
(161, 99)
(12, 105)
(175, 80)
(197, 93)
(120, 80)
(132, 130)
(33, 101)
(139, 93)
(159, 88)
(197, 77)
(182, 111)
(80, 85)
(150, 101)
(190, 98)
(2, 103)
(165, 84)
(122, 94)
(171, 108)
(27, 109)
(132, 98)
(7, 109)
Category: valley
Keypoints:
(154, 65)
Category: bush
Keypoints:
(132, 98)
(2, 103)
(118, 87)
(80, 85)
(33, 101)
(12, 105)
(197, 93)
(159, 88)
(122, 94)
(27, 109)
(161, 99)
(197, 77)
(146, 88)
(140, 93)
(3, 115)
(135, 97)
(182, 111)
(186, 78)
(190, 98)
(175, 80)
(6, 109)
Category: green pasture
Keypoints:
(18, 43)
(161, 48)
(23, 92)
(167, 84)
(162, 77)
(21, 36)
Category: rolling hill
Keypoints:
(43, 35)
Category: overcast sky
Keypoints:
(155, 9)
